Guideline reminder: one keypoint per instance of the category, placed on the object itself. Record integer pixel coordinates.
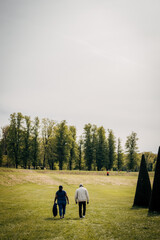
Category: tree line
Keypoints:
(47, 144)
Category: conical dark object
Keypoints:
(143, 190)
(155, 196)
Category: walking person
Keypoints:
(81, 196)
(61, 197)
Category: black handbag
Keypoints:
(54, 210)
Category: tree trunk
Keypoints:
(44, 161)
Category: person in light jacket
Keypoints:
(81, 196)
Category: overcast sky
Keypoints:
(83, 61)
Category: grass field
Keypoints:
(26, 207)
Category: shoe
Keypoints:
(83, 216)
(61, 217)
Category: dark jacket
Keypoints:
(61, 197)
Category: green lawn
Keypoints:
(26, 207)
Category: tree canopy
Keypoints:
(49, 144)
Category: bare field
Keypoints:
(26, 203)
(10, 177)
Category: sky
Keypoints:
(84, 62)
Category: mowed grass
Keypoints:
(26, 202)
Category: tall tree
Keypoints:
(3, 144)
(47, 133)
(106, 162)
(94, 146)
(88, 147)
(27, 142)
(101, 148)
(150, 160)
(111, 148)
(51, 151)
(119, 155)
(62, 139)
(143, 190)
(131, 149)
(1, 152)
(5, 139)
(73, 146)
(80, 151)
(15, 138)
(35, 143)
(155, 196)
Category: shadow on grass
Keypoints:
(138, 208)
(150, 213)
(58, 219)
(153, 214)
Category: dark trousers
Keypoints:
(80, 209)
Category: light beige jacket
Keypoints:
(81, 195)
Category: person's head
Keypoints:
(60, 188)
(80, 185)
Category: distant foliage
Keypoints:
(96, 152)
(35, 143)
(48, 144)
(47, 127)
(119, 155)
(143, 190)
(102, 149)
(73, 147)
(15, 138)
(150, 160)
(63, 142)
(111, 148)
(1, 153)
(80, 154)
(88, 146)
(131, 149)
(26, 152)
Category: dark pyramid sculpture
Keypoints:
(155, 196)
(143, 190)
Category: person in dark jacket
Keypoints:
(61, 197)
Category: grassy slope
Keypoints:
(26, 209)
